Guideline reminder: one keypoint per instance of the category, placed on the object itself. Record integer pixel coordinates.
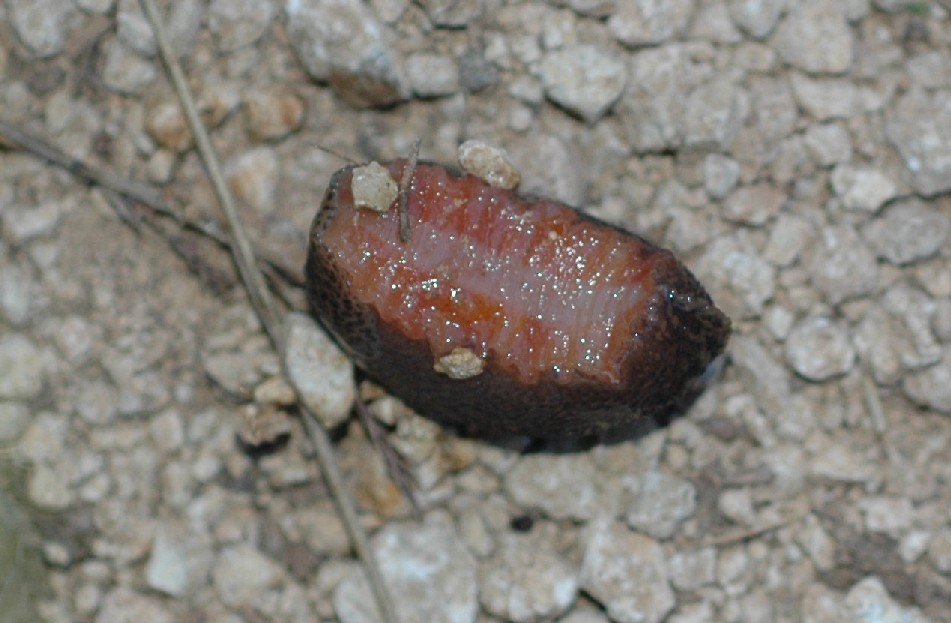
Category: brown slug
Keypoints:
(503, 314)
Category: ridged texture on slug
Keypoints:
(582, 327)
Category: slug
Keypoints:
(503, 314)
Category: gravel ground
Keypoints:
(797, 155)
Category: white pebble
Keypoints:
(488, 163)
(321, 373)
(460, 364)
(820, 349)
(373, 187)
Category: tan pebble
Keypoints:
(460, 364)
(488, 163)
(216, 102)
(273, 114)
(389, 410)
(370, 391)
(373, 187)
(262, 425)
(166, 125)
(373, 489)
(276, 391)
(253, 176)
(459, 453)
(160, 167)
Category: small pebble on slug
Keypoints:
(460, 364)
(488, 163)
(373, 187)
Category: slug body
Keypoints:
(508, 315)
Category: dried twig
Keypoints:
(396, 467)
(137, 219)
(408, 170)
(138, 192)
(736, 536)
(873, 402)
(267, 311)
(745, 534)
(243, 255)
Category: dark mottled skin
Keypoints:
(681, 335)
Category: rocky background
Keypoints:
(797, 154)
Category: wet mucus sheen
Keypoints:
(508, 315)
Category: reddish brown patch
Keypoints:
(532, 285)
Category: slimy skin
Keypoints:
(504, 314)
